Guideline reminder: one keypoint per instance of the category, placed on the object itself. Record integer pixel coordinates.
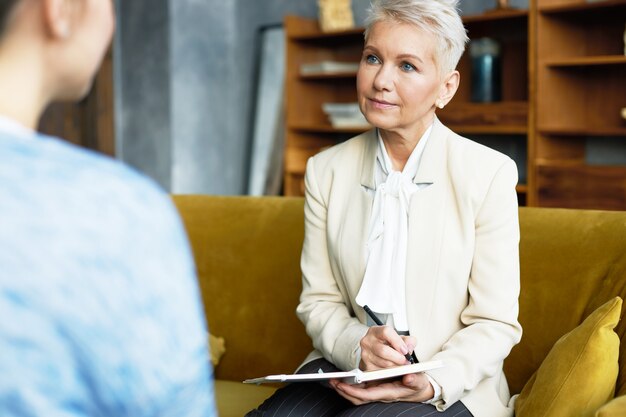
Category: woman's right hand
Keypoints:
(382, 347)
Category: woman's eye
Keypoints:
(371, 59)
(407, 67)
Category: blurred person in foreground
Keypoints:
(419, 224)
(99, 305)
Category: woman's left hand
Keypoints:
(411, 388)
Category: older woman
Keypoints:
(419, 224)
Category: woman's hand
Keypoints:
(382, 347)
(412, 388)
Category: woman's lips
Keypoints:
(381, 104)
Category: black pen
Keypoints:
(409, 356)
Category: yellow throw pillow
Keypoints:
(578, 375)
(218, 348)
(614, 408)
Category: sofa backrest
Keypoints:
(572, 261)
(247, 251)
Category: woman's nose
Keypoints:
(383, 80)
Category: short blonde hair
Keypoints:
(438, 17)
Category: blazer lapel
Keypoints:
(368, 161)
(356, 221)
(427, 218)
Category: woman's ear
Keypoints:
(57, 15)
(448, 88)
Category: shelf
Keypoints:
(577, 185)
(312, 33)
(583, 131)
(586, 61)
(496, 15)
(581, 7)
(558, 163)
(461, 129)
(489, 129)
(326, 128)
(308, 130)
(506, 117)
(328, 75)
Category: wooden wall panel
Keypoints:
(90, 122)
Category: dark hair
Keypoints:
(5, 9)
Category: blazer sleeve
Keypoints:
(323, 307)
(490, 322)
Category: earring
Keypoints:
(440, 104)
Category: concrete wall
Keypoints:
(207, 156)
(142, 87)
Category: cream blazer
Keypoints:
(462, 282)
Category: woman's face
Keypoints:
(398, 82)
(91, 32)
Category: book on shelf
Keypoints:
(328, 67)
(345, 115)
(341, 109)
(355, 376)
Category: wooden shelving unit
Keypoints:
(508, 119)
(577, 6)
(308, 130)
(497, 15)
(587, 61)
(333, 76)
(581, 88)
(326, 128)
(563, 87)
(90, 122)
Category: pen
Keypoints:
(409, 356)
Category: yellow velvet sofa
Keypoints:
(247, 253)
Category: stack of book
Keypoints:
(345, 115)
(328, 67)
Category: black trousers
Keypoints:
(312, 399)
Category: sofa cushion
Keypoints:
(578, 375)
(235, 399)
(614, 408)
(572, 262)
(217, 346)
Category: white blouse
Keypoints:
(383, 287)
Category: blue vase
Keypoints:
(486, 70)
